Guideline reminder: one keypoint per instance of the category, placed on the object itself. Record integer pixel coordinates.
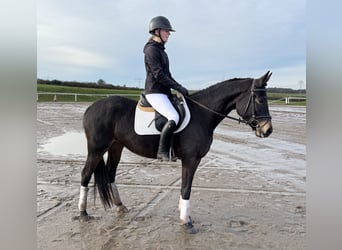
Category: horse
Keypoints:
(109, 127)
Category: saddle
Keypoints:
(148, 121)
(160, 120)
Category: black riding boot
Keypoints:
(165, 140)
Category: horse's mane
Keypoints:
(216, 86)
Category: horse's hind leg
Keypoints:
(92, 161)
(114, 156)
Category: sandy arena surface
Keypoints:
(248, 192)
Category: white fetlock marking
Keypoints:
(82, 203)
(117, 200)
(184, 206)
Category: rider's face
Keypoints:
(164, 34)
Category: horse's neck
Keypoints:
(220, 98)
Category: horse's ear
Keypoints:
(262, 81)
(267, 76)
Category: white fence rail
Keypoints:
(289, 99)
(76, 95)
(295, 99)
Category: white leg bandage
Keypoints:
(82, 203)
(184, 207)
(117, 200)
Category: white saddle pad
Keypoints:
(144, 120)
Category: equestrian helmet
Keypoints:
(160, 22)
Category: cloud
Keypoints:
(74, 57)
(293, 76)
(212, 41)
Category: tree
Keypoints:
(101, 82)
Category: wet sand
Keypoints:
(248, 193)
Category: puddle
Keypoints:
(70, 143)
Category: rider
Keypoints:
(159, 82)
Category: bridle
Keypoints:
(253, 121)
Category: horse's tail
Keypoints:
(102, 184)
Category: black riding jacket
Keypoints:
(158, 76)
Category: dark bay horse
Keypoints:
(109, 127)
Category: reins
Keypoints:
(253, 122)
(215, 112)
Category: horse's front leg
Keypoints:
(188, 172)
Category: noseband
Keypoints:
(253, 121)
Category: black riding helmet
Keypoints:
(160, 22)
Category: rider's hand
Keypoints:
(183, 90)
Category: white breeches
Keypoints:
(162, 104)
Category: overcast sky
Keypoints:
(83, 40)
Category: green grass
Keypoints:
(78, 90)
(67, 89)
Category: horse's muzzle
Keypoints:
(264, 128)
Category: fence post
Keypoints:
(75, 97)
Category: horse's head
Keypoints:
(252, 106)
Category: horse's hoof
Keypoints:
(122, 209)
(83, 217)
(189, 228)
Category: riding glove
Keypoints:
(182, 90)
